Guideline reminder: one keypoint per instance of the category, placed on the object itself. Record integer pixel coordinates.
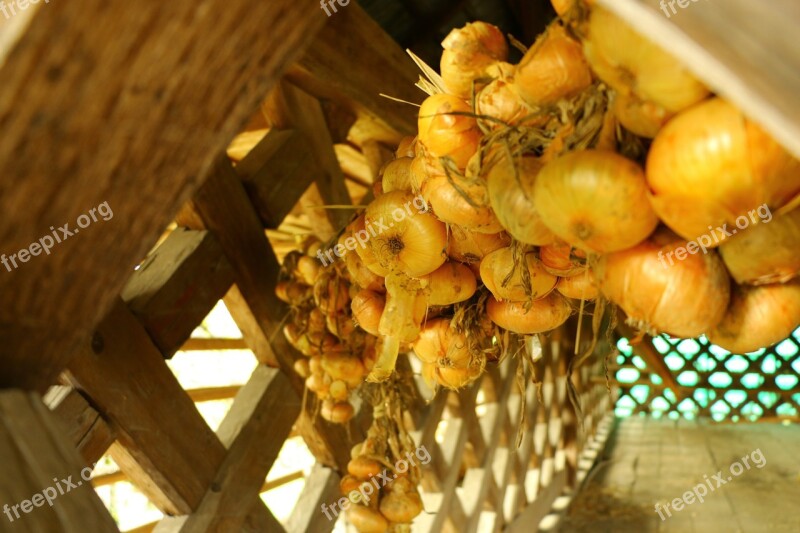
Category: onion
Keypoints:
(537, 317)
(397, 175)
(642, 118)
(560, 259)
(595, 200)
(501, 101)
(553, 68)
(636, 67)
(468, 52)
(348, 484)
(367, 307)
(344, 367)
(710, 165)
(362, 276)
(301, 366)
(468, 247)
(308, 269)
(405, 239)
(365, 253)
(462, 201)
(496, 273)
(581, 286)
(439, 344)
(768, 252)
(364, 468)
(684, 298)
(338, 391)
(448, 129)
(331, 292)
(367, 520)
(402, 504)
(449, 284)
(758, 317)
(407, 147)
(405, 308)
(510, 184)
(340, 324)
(337, 413)
(455, 378)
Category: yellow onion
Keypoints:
(582, 286)
(364, 468)
(496, 273)
(642, 118)
(397, 175)
(367, 307)
(407, 147)
(463, 201)
(449, 284)
(438, 343)
(362, 276)
(302, 368)
(510, 184)
(337, 413)
(468, 52)
(339, 391)
(402, 503)
(634, 66)
(552, 69)
(758, 317)
(469, 247)
(344, 367)
(319, 384)
(595, 200)
(563, 6)
(538, 316)
(560, 259)
(501, 101)
(664, 290)
(710, 165)
(331, 293)
(308, 269)
(292, 293)
(768, 252)
(405, 239)
(368, 257)
(340, 324)
(448, 129)
(366, 519)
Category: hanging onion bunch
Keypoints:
(468, 53)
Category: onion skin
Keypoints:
(710, 165)
(510, 186)
(367, 307)
(560, 259)
(544, 315)
(768, 252)
(496, 267)
(634, 66)
(581, 286)
(758, 317)
(642, 118)
(553, 68)
(397, 175)
(446, 130)
(468, 52)
(469, 247)
(595, 200)
(685, 299)
(439, 344)
(450, 205)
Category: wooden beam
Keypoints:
(177, 286)
(33, 452)
(322, 487)
(129, 382)
(354, 58)
(254, 336)
(198, 344)
(136, 123)
(85, 428)
(253, 431)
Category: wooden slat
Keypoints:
(322, 487)
(128, 380)
(135, 123)
(86, 429)
(210, 394)
(177, 286)
(744, 50)
(256, 338)
(198, 344)
(33, 452)
(354, 58)
(253, 431)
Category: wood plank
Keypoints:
(136, 123)
(745, 51)
(253, 431)
(33, 453)
(322, 488)
(353, 58)
(85, 428)
(198, 344)
(177, 286)
(254, 336)
(129, 382)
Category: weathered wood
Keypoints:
(322, 489)
(256, 338)
(128, 380)
(745, 51)
(253, 431)
(86, 429)
(202, 344)
(354, 58)
(34, 459)
(136, 122)
(177, 286)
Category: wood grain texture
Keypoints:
(85, 428)
(125, 103)
(746, 51)
(33, 451)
